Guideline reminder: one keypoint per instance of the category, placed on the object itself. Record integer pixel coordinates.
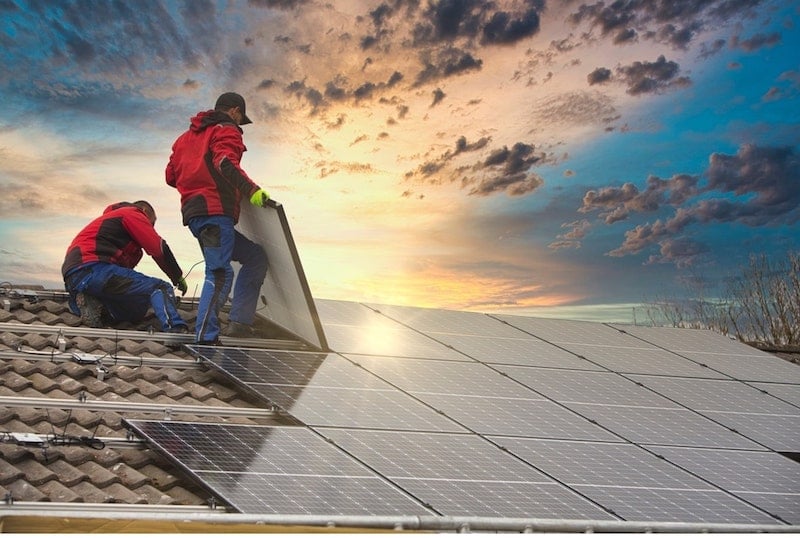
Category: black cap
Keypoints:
(230, 100)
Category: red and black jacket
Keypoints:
(118, 236)
(204, 167)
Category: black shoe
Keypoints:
(214, 342)
(91, 310)
(238, 330)
(178, 329)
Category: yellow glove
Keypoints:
(182, 286)
(259, 198)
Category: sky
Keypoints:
(559, 158)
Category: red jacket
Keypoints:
(204, 167)
(118, 236)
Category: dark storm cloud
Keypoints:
(338, 90)
(445, 63)
(675, 23)
(759, 186)
(599, 76)
(503, 28)
(508, 171)
(427, 169)
(651, 77)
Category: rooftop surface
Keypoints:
(413, 418)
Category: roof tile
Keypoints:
(21, 489)
(129, 476)
(68, 474)
(43, 383)
(9, 473)
(91, 494)
(58, 492)
(15, 382)
(35, 473)
(100, 476)
(121, 494)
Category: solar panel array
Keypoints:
(420, 411)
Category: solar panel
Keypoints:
(585, 387)
(463, 475)
(528, 351)
(324, 389)
(288, 298)
(765, 479)
(654, 425)
(443, 377)
(285, 470)
(721, 353)
(716, 395)
(515, 416)
(642, 360)
(559, 331)
(634, 483)
(431, 320)
(464, 415)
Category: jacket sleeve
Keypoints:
(227, 147)
(141, 231)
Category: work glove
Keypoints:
(182, 287)
(259, 198)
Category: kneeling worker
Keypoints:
(98, 270)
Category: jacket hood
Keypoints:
(117, 205)
(206, 119)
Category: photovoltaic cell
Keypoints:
(778, 432)
(783, 391)
(260, 469)
(390, 341)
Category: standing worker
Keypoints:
(204, 167)
(98, 269)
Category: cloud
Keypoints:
(599, 76)
(617, 203)
(571, 239)
(758, 186)
(508, 172)
(438, 95)
(446, 63)
(651, 77)
(757, 41)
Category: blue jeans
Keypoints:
(221, 244)
(125, 293)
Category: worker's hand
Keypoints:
(259, 198)
(182, 287)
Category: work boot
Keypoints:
(238, 330)
(91, 310)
